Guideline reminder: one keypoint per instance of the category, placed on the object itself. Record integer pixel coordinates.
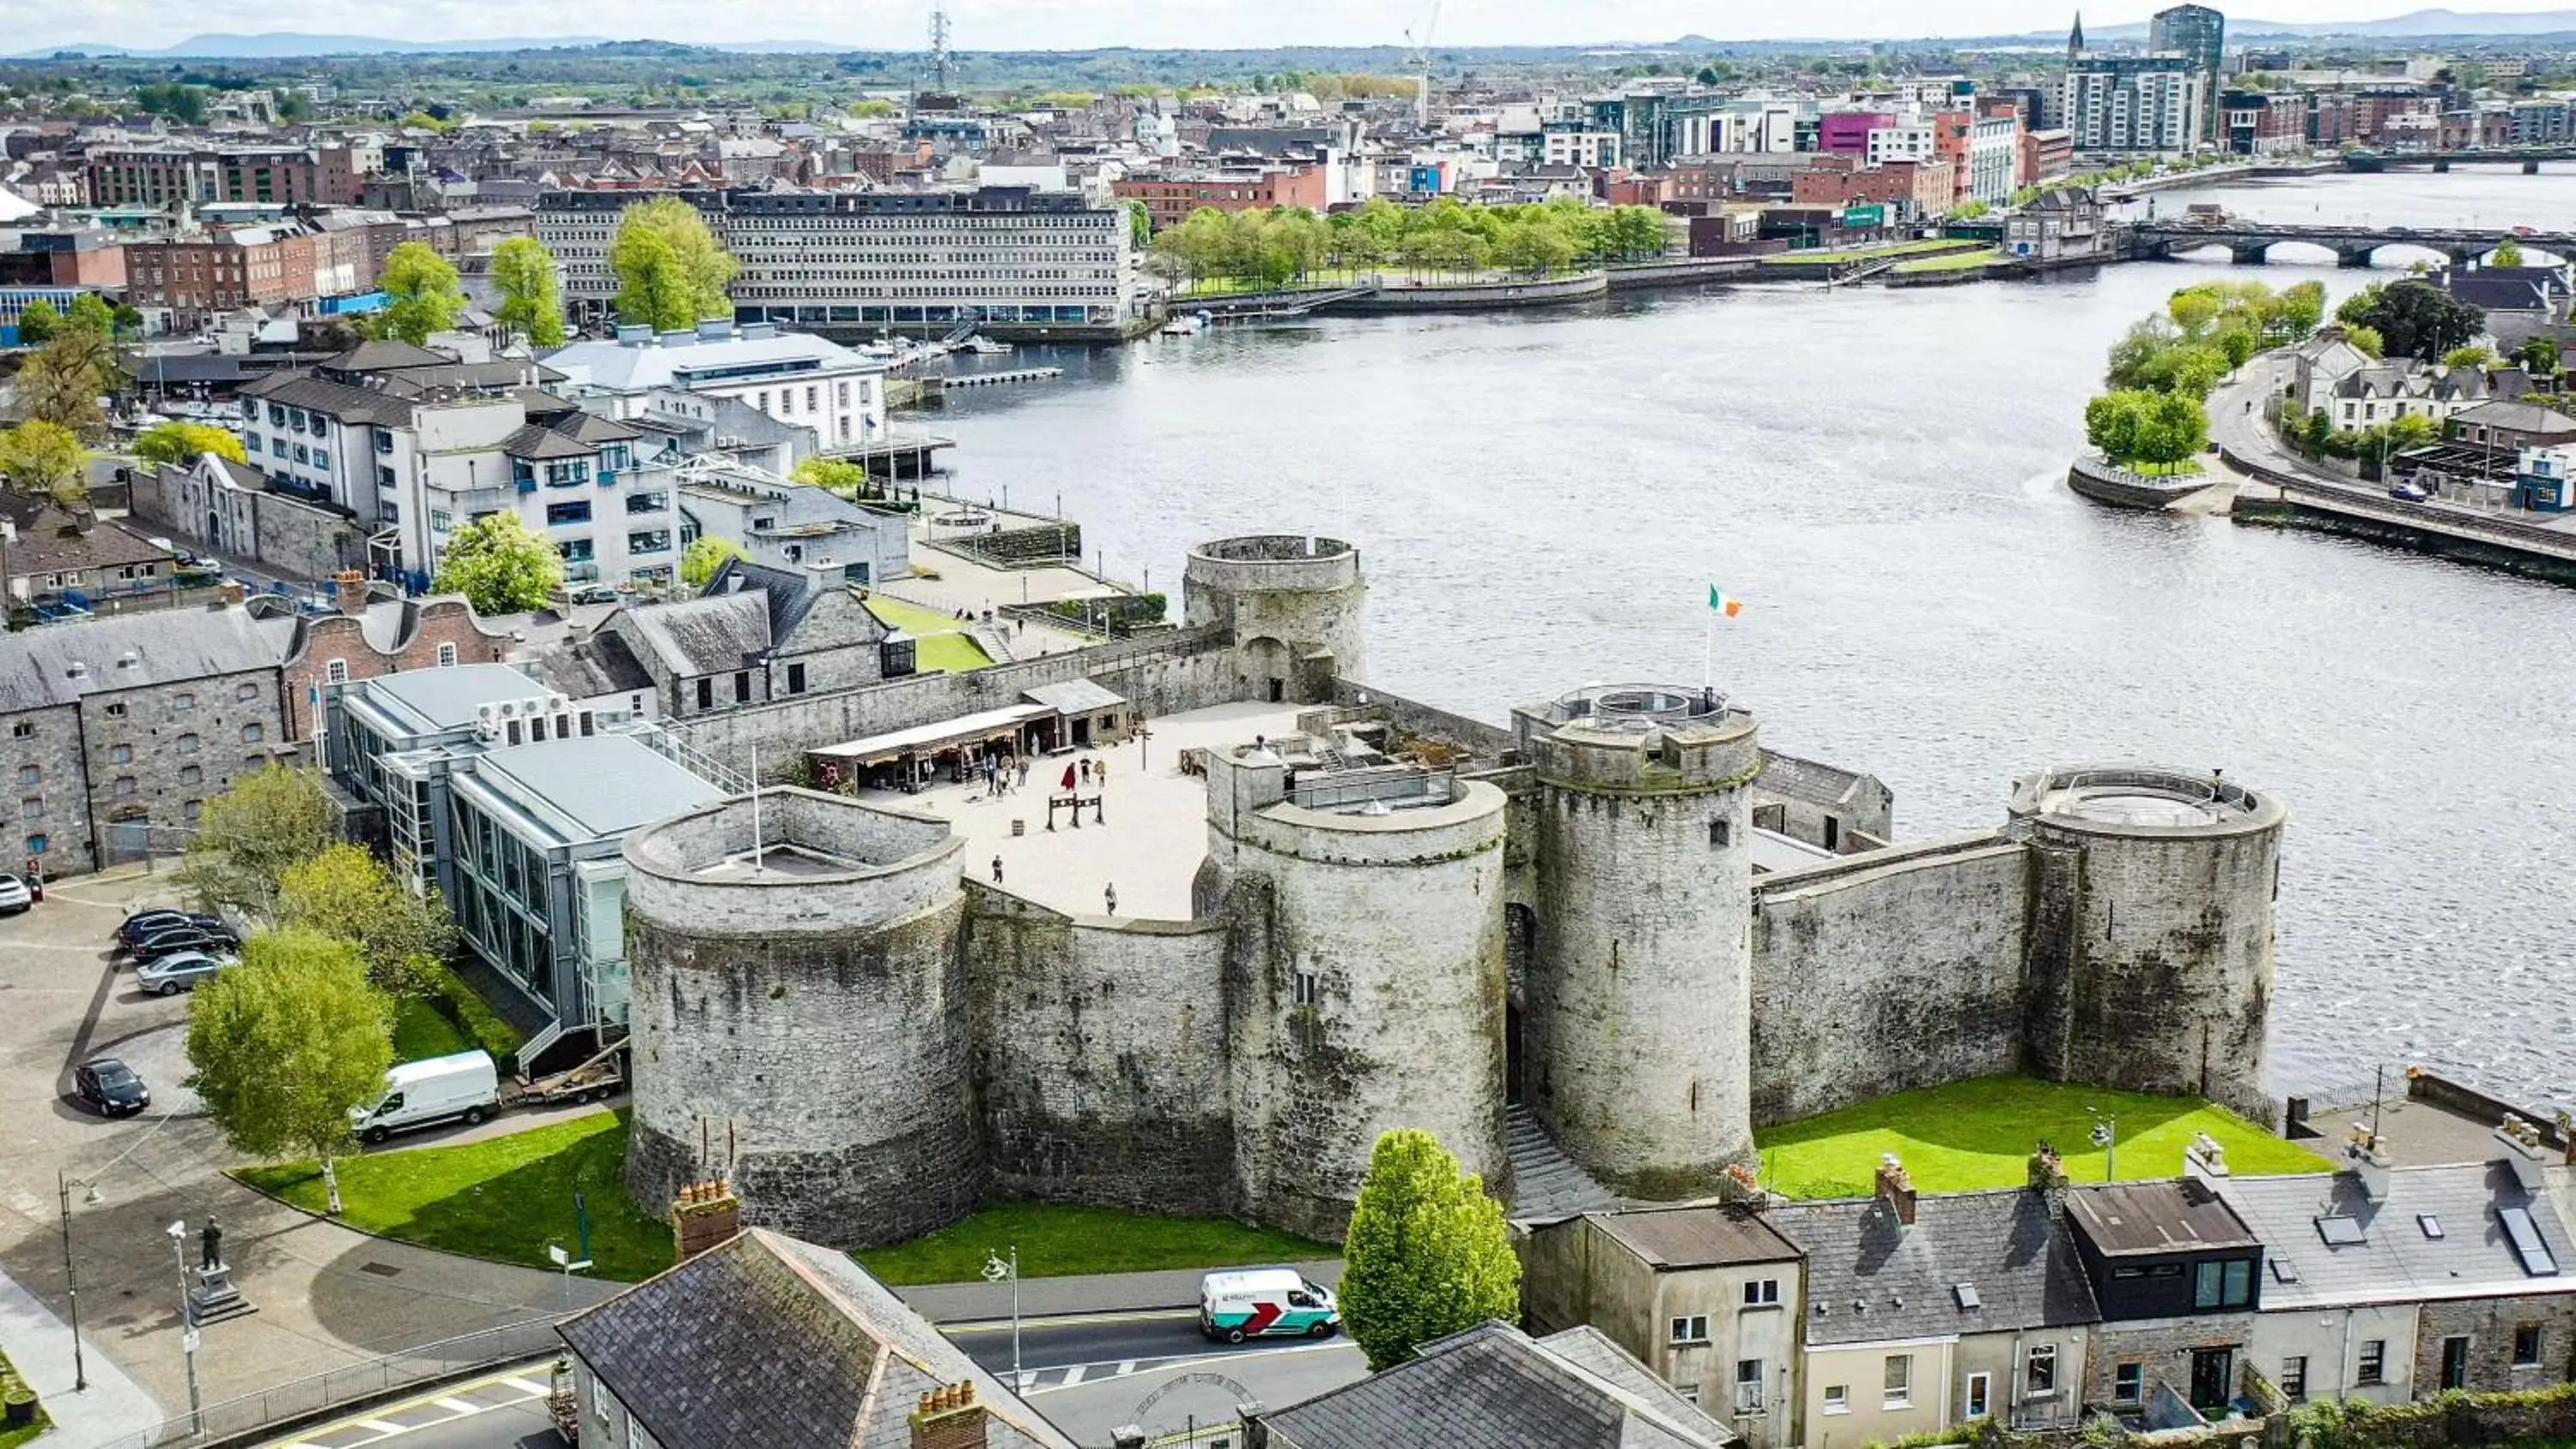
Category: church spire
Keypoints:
(2075, 37)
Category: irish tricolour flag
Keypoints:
(1723, 602)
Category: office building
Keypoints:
(2131, 105)
(2199, 35)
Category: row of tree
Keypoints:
(1280, 245)
(2162, 369)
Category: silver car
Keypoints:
(179, 971)
(14, 895)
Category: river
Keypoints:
(1543, 499)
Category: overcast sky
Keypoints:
(1069, 24)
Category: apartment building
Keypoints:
(1169, 196)
(2132, 105)
(170, 177)
(1011, 257)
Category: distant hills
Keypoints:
(272, 45)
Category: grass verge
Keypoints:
(10, 1383)
(1871, 254)
(504, 1198)
(423, 1029)
(940, 646)
(470, 1014)
(1056, 1241)
(1980, 1133)
(1950, 262)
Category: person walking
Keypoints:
(997, 870)
(1100, 772)
(1024, 770)
(1109, 894)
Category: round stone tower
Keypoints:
(800, 1016)
(1365, 976)
(2150, 959)
(1296, 605)
(1636, 1021)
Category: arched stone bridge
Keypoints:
(2250, 243)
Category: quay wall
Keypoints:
(2106, 482)
(1474, 296)
(1100, 1056)
(1886, 971)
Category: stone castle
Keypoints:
(1617, 927)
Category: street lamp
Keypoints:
(2106, 1133)
(996, 1269)
(71, 1280)
(187, 1323)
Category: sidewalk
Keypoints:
(40, 1345)
(981, 1302)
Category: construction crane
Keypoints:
(1418, 59)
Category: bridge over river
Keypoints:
(2250, 243)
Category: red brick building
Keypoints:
(1170, 198)
(226, 269)
(170, 176)
(1910, 189)
(379, 634)
(2046, 156)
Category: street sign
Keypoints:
(188, 1341)
(1864, 216)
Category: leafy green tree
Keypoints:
(2508, 253)
(523, 272)
(670, 270)
(425, 295)
(37, 323)
(2539, 354)
(91, 314)
(2318, 428)
(2301, 308)
(2114, 421)
(64, 381)
(1427, 1254)
(499, 566)
(345, 893)
(2365, 340)
(2172, 426)
(45, 460)
(2193, 309)
(2474, 355)
(180, 443)
(2355, 310)
(2238, 341)
(2418, 319)
(705, 556)
(287, 1044)
(836, 475)
(249, 836)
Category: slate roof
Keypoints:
(385, 356)
(337, 399)
(533, 440)
(53, 544)
(770, 1342)
(1870, 1277)
(1494, 1387)
(788, 594)
(2520, 417)
(600, 664)
(710, 635)
(2398, 1261)
(1691, 1237)
(169, 646)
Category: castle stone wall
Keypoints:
(1295, 607)
(1100, 1057)
(805, 1031)
(1395, 923)
(1885, 972)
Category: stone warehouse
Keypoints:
(1292, 912)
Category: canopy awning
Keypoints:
(932, 738)
(1074, 696)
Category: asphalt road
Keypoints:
(505, 1410)
(1062, 1353)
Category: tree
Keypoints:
(424, 294)
(499, 566)
(45, 460)
(2299, 310)
(2474, 355)
(63, 382)
(345, 893)
(523, 272)
(289, 1043)
(2365, 340)
(248, 837)
(180, 443)
(2172, 426)
(2508, 253)
(670, 270)
(2420, 320)
(1427, 1254)
(2193, 309)
(833, 475)
(2238, 342)
(37, 323)
(91, 314)
(705, 556)
(2539, 355)
(2113, 420)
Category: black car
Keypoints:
(111, 1087)
(145, 923)
(213, 940)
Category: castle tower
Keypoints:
(1365, 971)
(1636, 1026)
(800, 1017)
(2150, 957)
(1297, 608)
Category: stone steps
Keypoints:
(1545, 1182)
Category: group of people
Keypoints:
(970, 616)
(1004, 776)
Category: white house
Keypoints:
(796, 378)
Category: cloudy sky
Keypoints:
(1060, 24)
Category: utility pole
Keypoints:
(187, 1325)
(71, 1280)
(997, 1269)
(2106, 1135)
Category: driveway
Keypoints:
(325, 1296)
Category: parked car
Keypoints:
(2411, 492)
(110, 1086)
(14, 896)
(593, 594)
(1265, 1303)
(179, 971)
(466, 1084)
(161, 918)
(176, 939)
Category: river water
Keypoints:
(1543, 499)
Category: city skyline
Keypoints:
(1061, 25)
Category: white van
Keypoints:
(1265, 1303)
(416, 1094)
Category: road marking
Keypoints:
(525, 1387)
(1074, 1374)
(1126, 1367)
(458, 1406)
(379, 1421)
(384, 1428)
(1069, 1320)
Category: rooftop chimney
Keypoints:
(232, 594)
(2526, 1150)
(704, 1215)
(2366, 1159)
(2204, 1157)
(1896, 1187)
(351, 586)
(949, 1418)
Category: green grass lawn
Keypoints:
(1870, 254)
(11, 1438)
(1950, 261)
(941, 648)
(1980, 1133)
(422, 1030)
(1056, 1241)
(506, 1198)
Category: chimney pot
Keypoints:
(1897, 1187)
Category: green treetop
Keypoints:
(181, 443)
(1427, 1254)
(425, 295)
(37, 323)
(523, 271)
(248, 837)
(345, 893)
(286, 1044)
(705, 556)
(499, 566)
(671, 272)
(45, 460)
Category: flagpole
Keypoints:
(1708, 652)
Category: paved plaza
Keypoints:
(1153, 831)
